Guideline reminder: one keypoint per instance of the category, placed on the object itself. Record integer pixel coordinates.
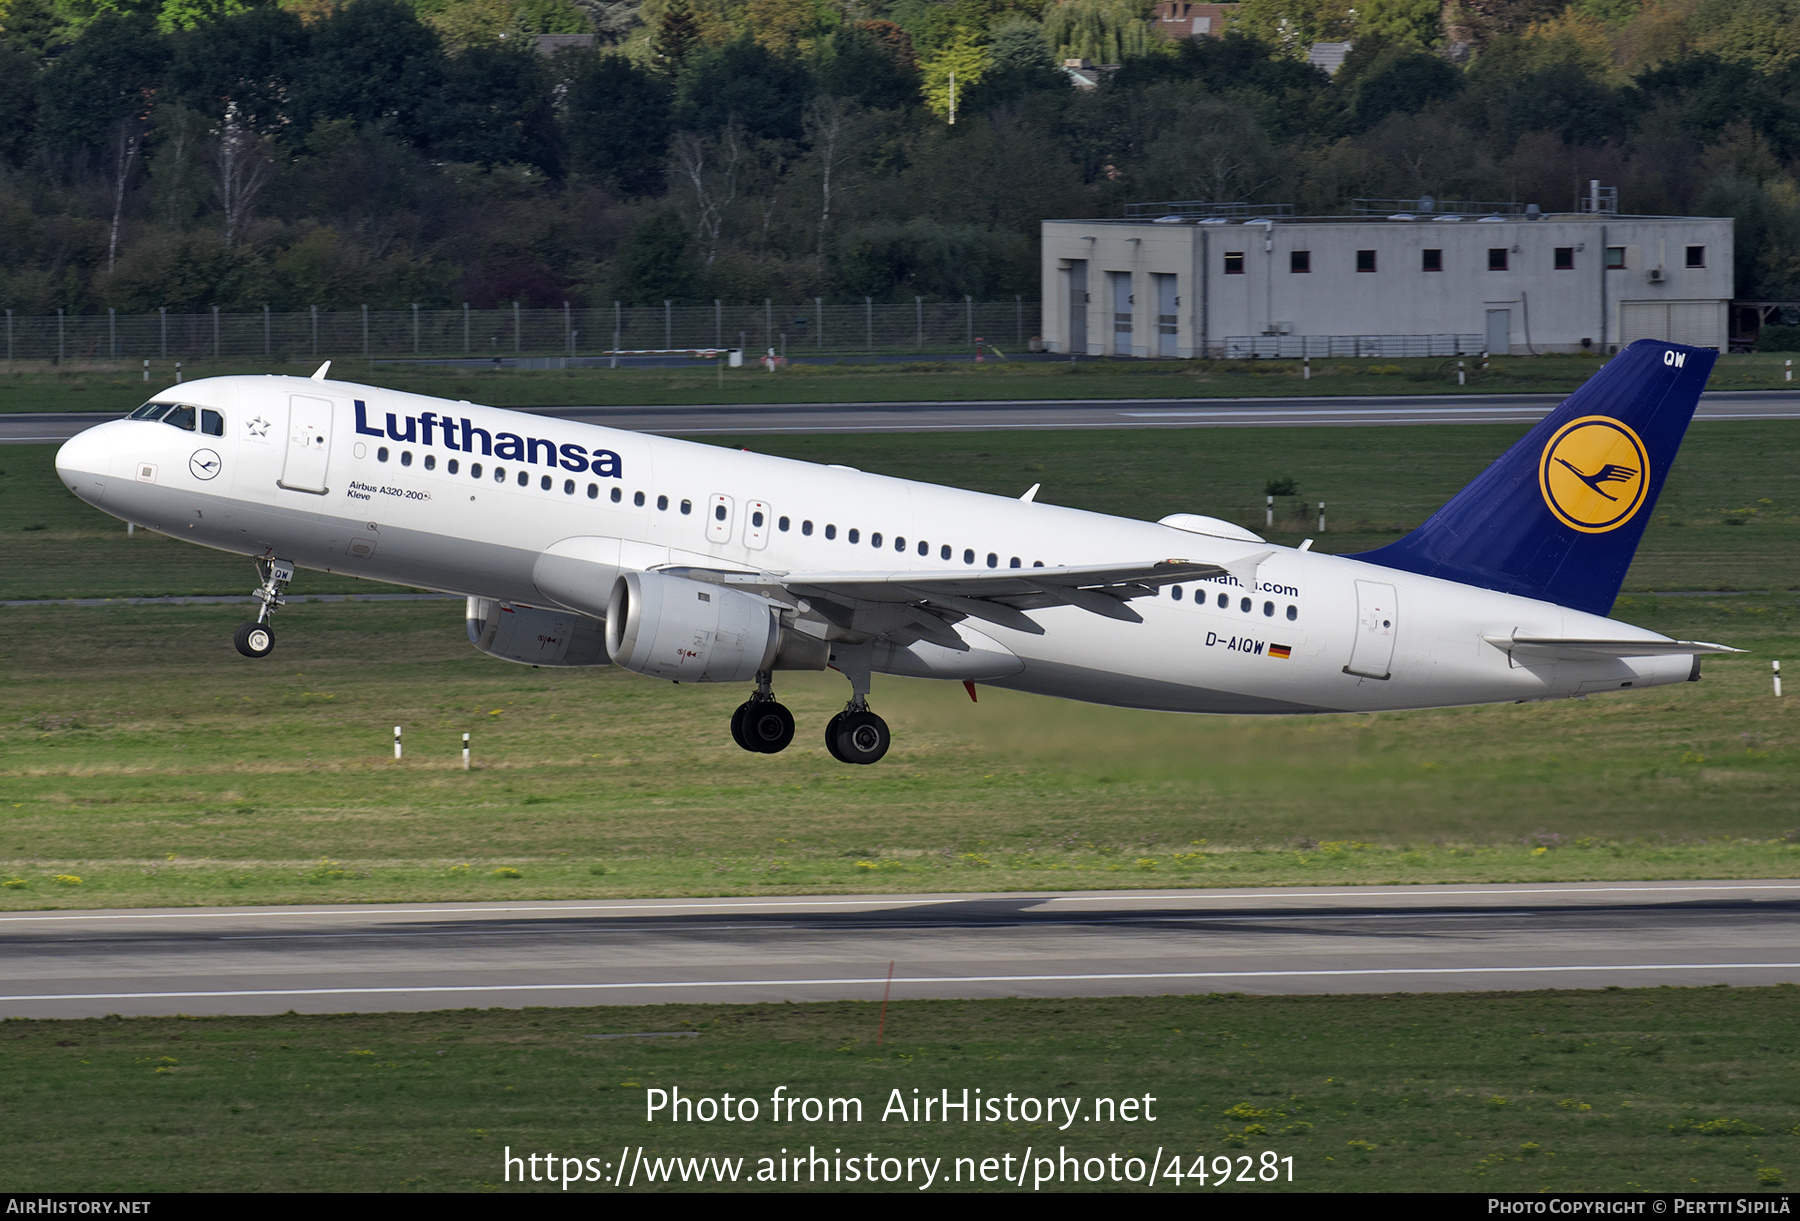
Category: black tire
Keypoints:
(738, 716)
(768, 726)
(862, 737)
(831, 732)
(254, 639)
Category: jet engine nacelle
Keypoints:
(692, 632)
(535, 637)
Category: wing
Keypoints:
(922, 604)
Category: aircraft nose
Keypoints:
(84, 461)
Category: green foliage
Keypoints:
(1102, 31)
(1762, 33)
(1292, 26)
(1413, 23)
(655, 264)
(616, 123)
(959, 64)
(924, 257)
(747, 84)
(869, 62)
(1778, 338)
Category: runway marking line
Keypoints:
(879, 904)
(919, 979)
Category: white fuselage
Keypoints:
(410, 519)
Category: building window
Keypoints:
(1615, 258)
(1497, 258)
(1433, 260)
(1365, 260)
(1696, 256)
(1565, 258)
(1234, 262)
(1299, 261)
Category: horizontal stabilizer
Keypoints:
(1558, 648)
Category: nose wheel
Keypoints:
(254, 639)
(257, 638)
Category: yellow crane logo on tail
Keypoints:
(1594, 473)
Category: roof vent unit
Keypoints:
(1212, 527)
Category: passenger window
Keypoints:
(524, 479)
(875, 539)
(687, 506)
(943, 552)
(569, 487)
(594, 491)
(924, 547)
(853, 536)
(968, 555)
(719, 514)
(899, 543)
(181, 417)
(830, 531)
(1037, 563)
(806, 528)
(1293, 613)
(1224, 601)
(993, 560)
(662, 503)
(618, 494)
(1244, 606)
(543, 483)
(781, 524)
(452, 466)
(1175, 592)
(499, 474)
(638, 500)
(431, 462)
(1015, 562)
(474, 470)
(381, 454)
(212, 423)
(406, 457)
(1268, 610)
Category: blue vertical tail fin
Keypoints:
(1559, 516)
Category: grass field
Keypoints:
(143, 756)
(1621, 1090)
(1729, 517)
(119, 386)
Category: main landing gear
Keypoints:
(762, 725)
(257, 638)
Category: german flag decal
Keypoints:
(1280, 650)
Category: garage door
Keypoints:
(1699, 323)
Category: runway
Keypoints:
(1003, 414)
(419, 957)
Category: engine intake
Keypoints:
(692, 632)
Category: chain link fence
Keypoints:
(814, 327)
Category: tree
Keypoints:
(654, 264)
(616, 122)
(677, 37)
(872, 62)
(1404, 84)
(494, 108)
(744, 83)
(372, 61)
(1292, 26)
(953, 71)
(111, 73)
(251, 61)
(1019, 63)
(241, 168)
(1413, 23)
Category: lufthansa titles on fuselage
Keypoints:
(463, 436)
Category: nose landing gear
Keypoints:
(762, 725)
(257, 638)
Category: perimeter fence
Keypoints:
(813, 326)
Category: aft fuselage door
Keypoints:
(1377, 619)
(718, 519)
(308, 444)
(756, 524)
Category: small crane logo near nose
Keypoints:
(204, 464)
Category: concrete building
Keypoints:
(1244, 282)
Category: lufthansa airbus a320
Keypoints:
(578, 545)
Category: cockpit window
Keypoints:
(181, 417)
(212, 423)
(150, 411)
